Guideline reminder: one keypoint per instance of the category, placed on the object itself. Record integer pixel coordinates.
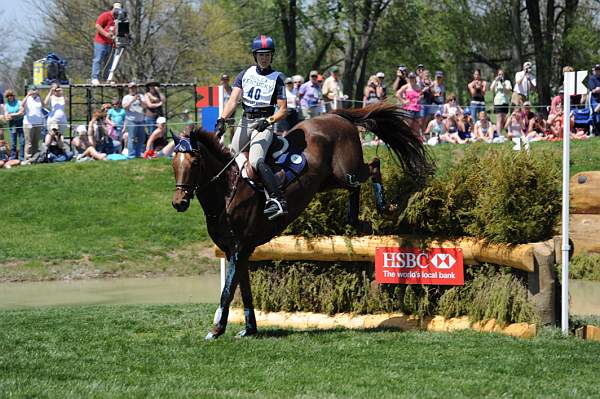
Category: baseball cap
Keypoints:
(402, 67)
(527, 104)
(313, 73)
(117, 6)
(412, 75)
(467, 111)
(224, 76)
(597, 66)
(527, 65)
(421, 66)
(53, 126)
(161, 119)
(81, 129)
(380, 75)
(438, 113)
(132, 84)
(439, 73)
(288, 80)
(334, 69)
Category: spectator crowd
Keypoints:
(136, 125)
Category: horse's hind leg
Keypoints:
(377, 181)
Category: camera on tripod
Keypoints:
(121, 28)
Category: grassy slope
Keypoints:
(118, 214)
(157, 351)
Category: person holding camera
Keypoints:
(401, 79)
(56, 102)
(55, 145)
(33, 120)
(134, 104)
(372, 92)
(501, 88)
(477, 89)
(103, 41)
(524, 83)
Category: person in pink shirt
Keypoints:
(409, 96)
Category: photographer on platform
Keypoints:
(104, 41)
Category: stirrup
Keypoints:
(274, 208)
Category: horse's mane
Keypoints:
(212, 143)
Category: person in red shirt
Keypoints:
(103, 42)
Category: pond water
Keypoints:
(161, 290)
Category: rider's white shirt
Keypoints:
(257, 90)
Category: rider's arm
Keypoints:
(280, 114)
(231, 103)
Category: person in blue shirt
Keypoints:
(594, 87)
(261, 89)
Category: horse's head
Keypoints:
(186, 162)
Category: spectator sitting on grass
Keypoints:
(451, 108)
(556, 121)
(465, 125)
(84, 144)
(5, 161)
(537, 129)
(56, 148)
(452, 131)
(483, 129)
(158, 139)
(98, 129)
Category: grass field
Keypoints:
(116, 218)
(158, 351)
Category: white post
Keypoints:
(568, 89)
(222, 273)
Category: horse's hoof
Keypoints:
(214, 334)
(247, 333)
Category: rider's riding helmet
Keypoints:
(263, 44)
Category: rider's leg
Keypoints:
(241, 136)
(276, 204)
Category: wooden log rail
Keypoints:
(362, 249)
(584, 219)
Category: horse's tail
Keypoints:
(388, 122)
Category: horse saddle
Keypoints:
(285, 157)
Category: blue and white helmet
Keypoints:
(263, 44)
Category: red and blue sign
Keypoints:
(431, 266)
(208, 103)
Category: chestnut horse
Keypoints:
(234, 209)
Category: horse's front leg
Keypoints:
(237, 273)
(244, 280)
(231, 283)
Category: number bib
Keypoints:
(258, 89)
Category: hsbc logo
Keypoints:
(443, 261)
(434, 266)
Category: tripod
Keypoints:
(115, 62)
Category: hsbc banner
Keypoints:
(432, 266)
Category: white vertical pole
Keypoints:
(222, 273)
(565, 204)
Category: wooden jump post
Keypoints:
(537, 259)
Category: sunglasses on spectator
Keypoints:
(314, 76)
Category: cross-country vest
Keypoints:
(257, 90)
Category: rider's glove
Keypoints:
(262, 125)
(220, 127)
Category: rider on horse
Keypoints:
(261, 88)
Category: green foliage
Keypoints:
(489, 292)
(488, 192)
(585, 267)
